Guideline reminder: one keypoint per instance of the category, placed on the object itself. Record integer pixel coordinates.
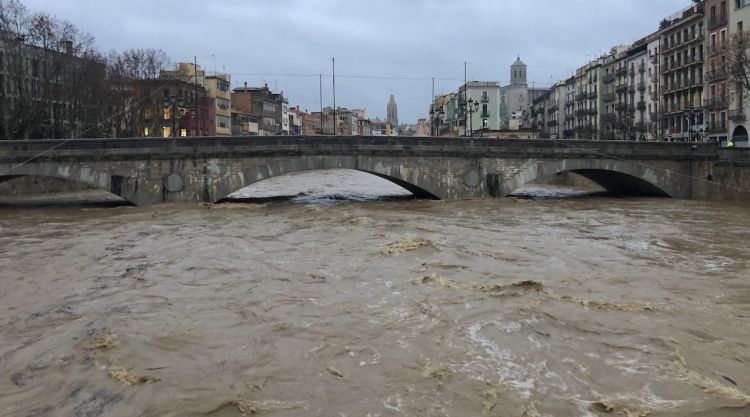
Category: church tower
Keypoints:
(518, 74)
(514, 98)
(392, 113)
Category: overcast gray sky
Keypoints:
(382, 47)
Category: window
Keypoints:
(222, 104)
(223, 86)
(739, 28)
(166, 131)
(222, 122)
(146, 131)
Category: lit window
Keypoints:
(183, 133)
(146, 132)
(166, 132)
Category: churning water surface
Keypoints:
(590, 306)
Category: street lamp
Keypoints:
(437, 118)
(173, 103)
(473, 108)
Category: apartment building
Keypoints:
(170, 107)
(218, 88)
(482, 108)
(265, 106)
(739, 110)
(569, 131)
(681, 74)
(717, 97)
(548, 112)
(588, 83)
(654, 99)
(640, 79)
(49, 92)
(616, 109)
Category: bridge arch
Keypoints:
(621, 177)
(76, 173)
(249, 175)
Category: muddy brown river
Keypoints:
(592, 306)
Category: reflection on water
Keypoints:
(552, 307)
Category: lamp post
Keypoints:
(437, 118)
(473, 107)
(173, 103)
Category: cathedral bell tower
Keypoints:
(518, 74)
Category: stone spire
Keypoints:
(392, 112)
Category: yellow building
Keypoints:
(218, 87)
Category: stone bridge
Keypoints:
(150, 171)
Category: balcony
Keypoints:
(592, 95)
(642, 86)
(609, 79)
(653, 116)
(609, 97)
(582, 112)
(591, 112)
(716, 127)
(609, 117)
(621, 71)
(641, 68)
(553, 109)
(570, 103)
(641, 105)
(716, 103)
(570, 117)
(717, 21)
(654, 96)
(581, 97)
(623, 88)
(552, 123)
(737, 115)
(716, 49)
(621, 106)
(716, 75)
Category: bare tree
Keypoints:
(126, 100)
(49, 69)
(54, 83)
(738, 63)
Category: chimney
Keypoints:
(246, 85)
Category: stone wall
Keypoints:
(39, 185)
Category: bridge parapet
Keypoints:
(87, 149)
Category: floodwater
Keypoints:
(323, 306)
